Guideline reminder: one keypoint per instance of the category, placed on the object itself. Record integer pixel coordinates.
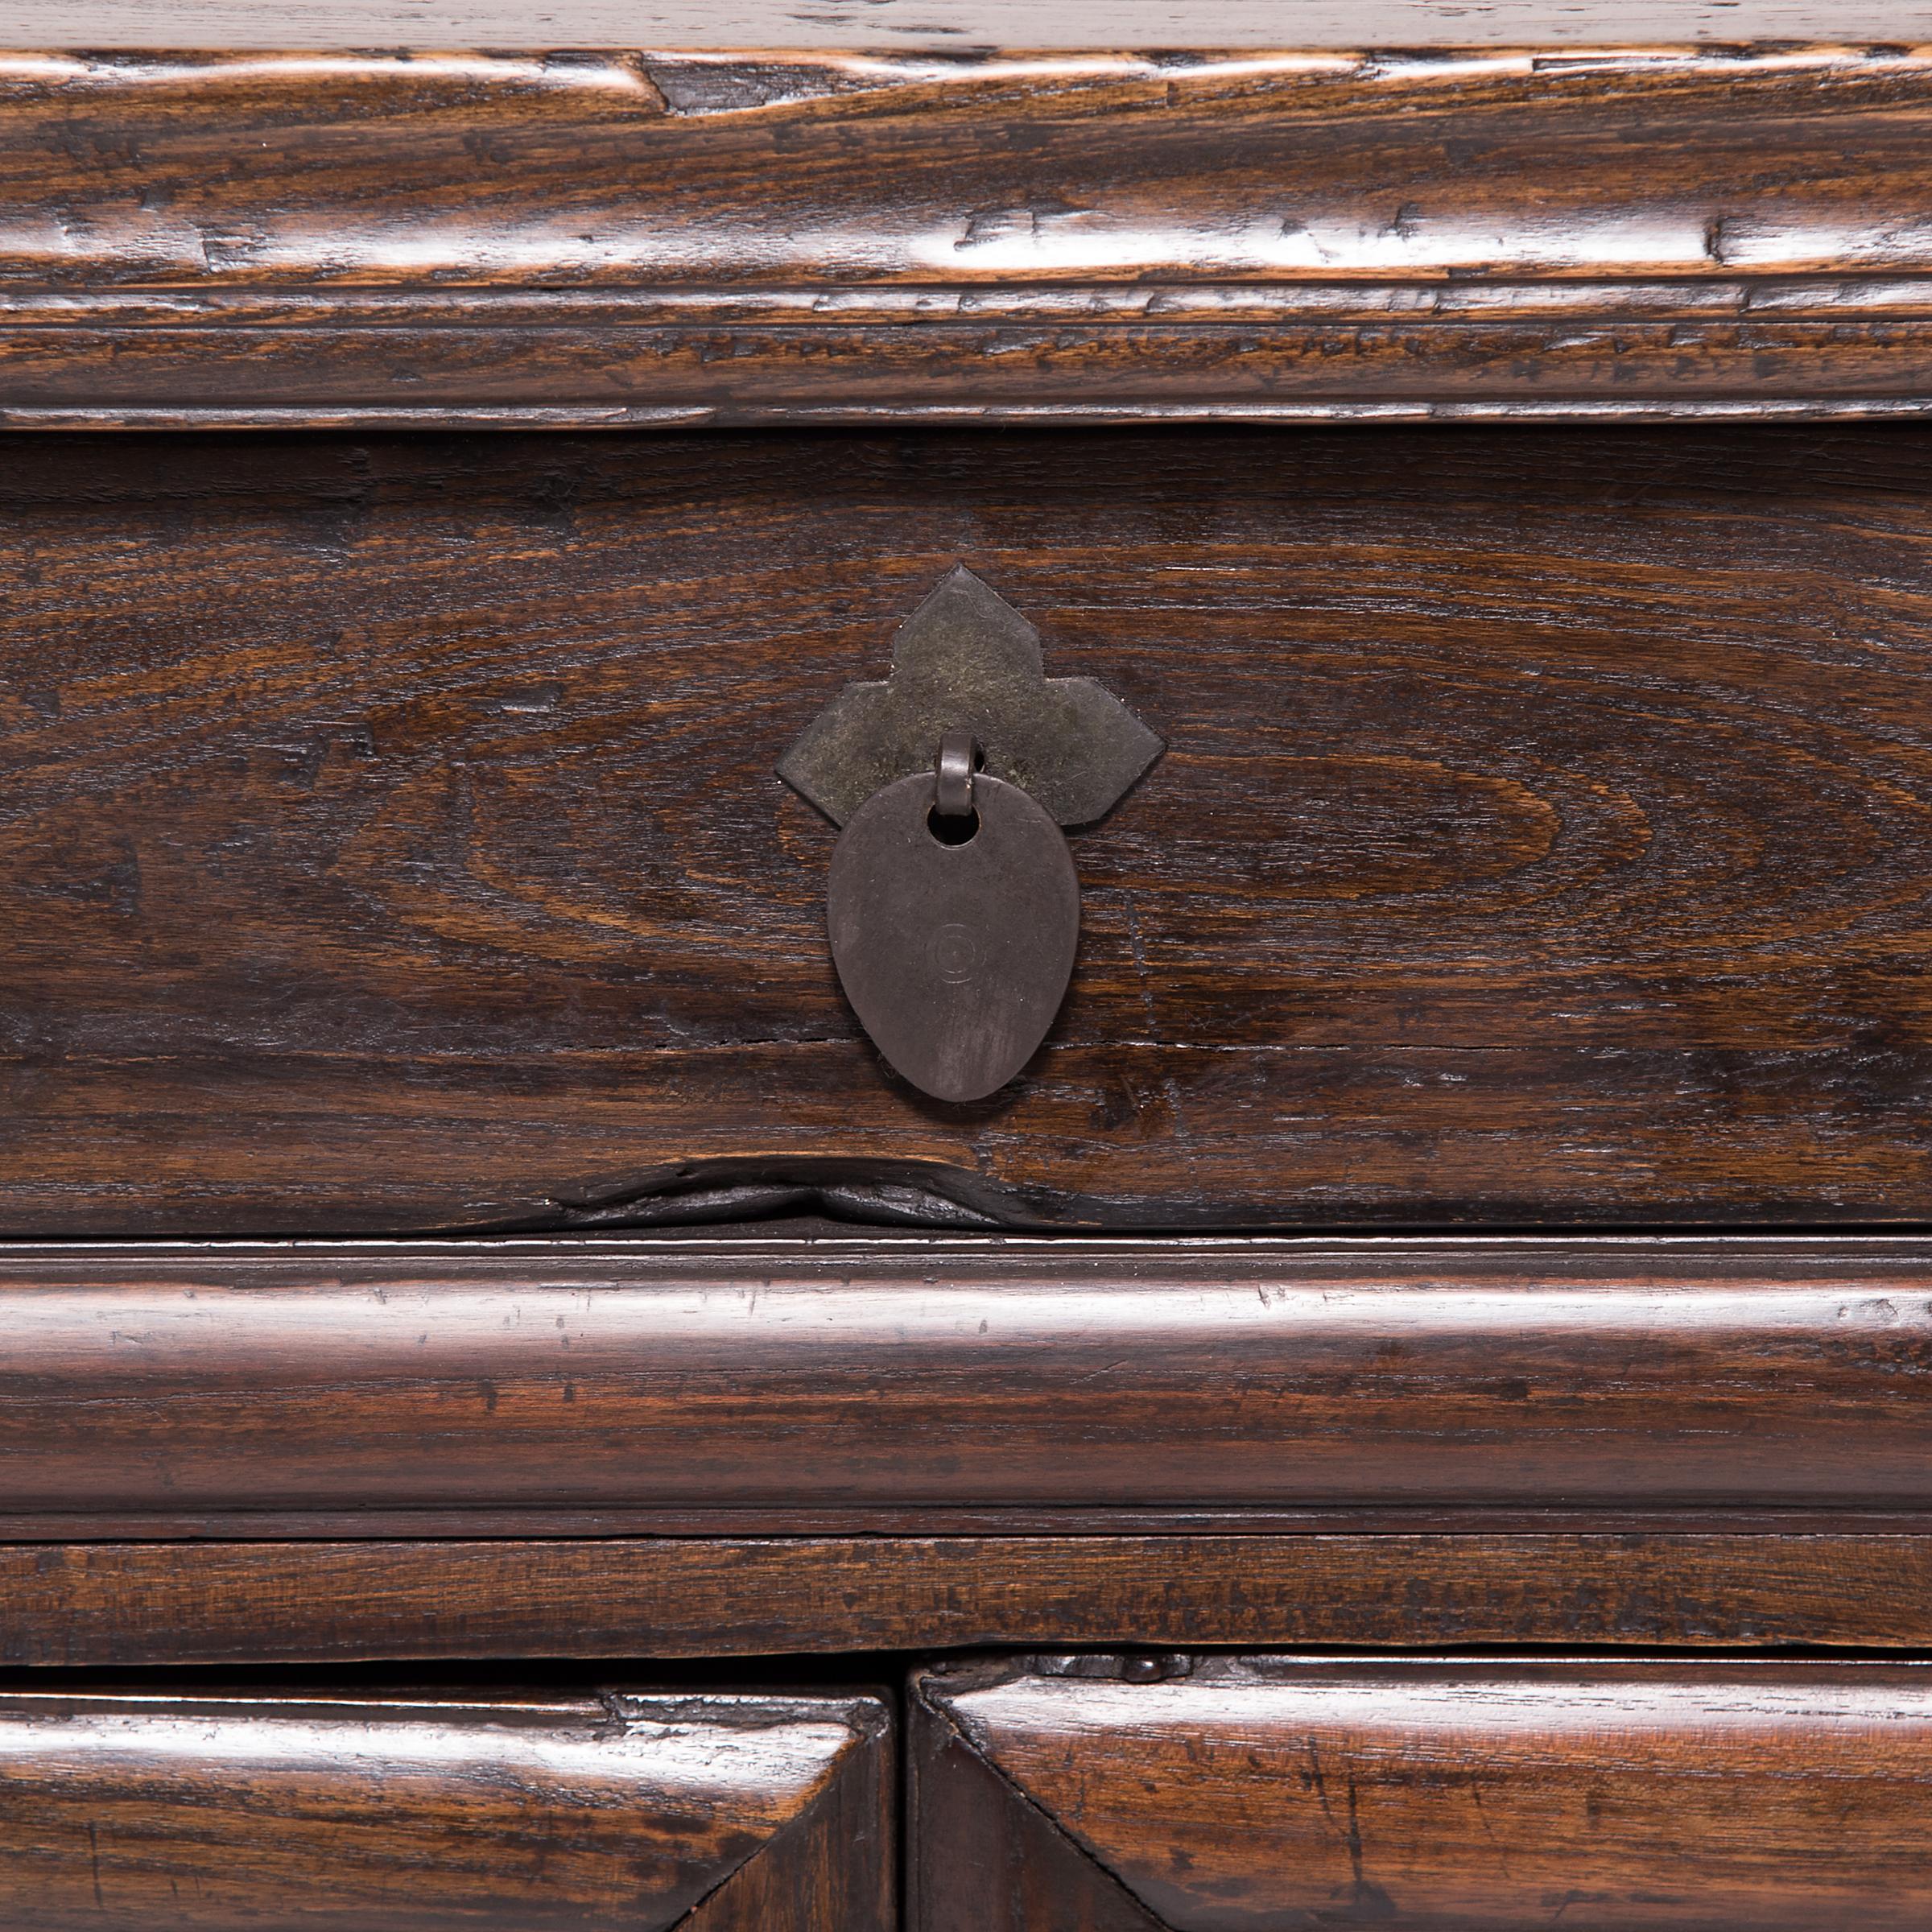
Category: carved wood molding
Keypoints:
(901, 1384)
(721, 238)
(948, 27)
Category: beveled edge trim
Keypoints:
(376, 417)
(293, 310)
(903, 1384)
(942, 26)
(449, 1806)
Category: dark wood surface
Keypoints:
(389, 842)
(949, 26)
(388, 839)
(257, 1603)
(921, 1376)
(1258, 1795)
(669, 239)
(838, 1865)
(334, 1813)
(981, 1853)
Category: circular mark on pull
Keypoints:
(955, 954)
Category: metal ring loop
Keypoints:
(953, 775)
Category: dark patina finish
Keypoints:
(390, 851)
(954, 947)
(966, 660)
(954, 909)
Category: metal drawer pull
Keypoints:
(953, 906)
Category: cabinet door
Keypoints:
(709, 1813)
(1259, 1794)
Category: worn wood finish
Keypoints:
(838, 1865)
(1249, 1794)
(914, 1375)
(981, 1853)
(676, 238)
(950, 25)
(389, 838)
(341, 1813)
(129, 1604)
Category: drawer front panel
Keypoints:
(405, 1815)
(909, 1374)
(1249, 1794)
(389, 836)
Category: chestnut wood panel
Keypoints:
(1259, 1794)
(948, 25)
(672, 238)
(389, 838)
(923, 1377)
(249, 1603)
(341, 1813)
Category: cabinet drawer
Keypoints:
(1242, 1794)
(714, 1812)
(390, 839)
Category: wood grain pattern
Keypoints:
(336, 1814)
(146, 1603)
(837, 1867)
(948, 26)
(922, 1376)
(388, 839)
(978, 1852)
(672, 238)
(1257, 1794)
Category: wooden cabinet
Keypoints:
(1411, 1407)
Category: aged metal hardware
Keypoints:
(955, 946)
(953, 783)
(953, 908)
(966, 660)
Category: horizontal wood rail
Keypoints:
(257, 1603)
(678, 238)
(151, 1808)
(303, 1388)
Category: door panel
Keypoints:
(1263, 1795)
(717, 1812)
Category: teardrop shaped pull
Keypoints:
(955, 916)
